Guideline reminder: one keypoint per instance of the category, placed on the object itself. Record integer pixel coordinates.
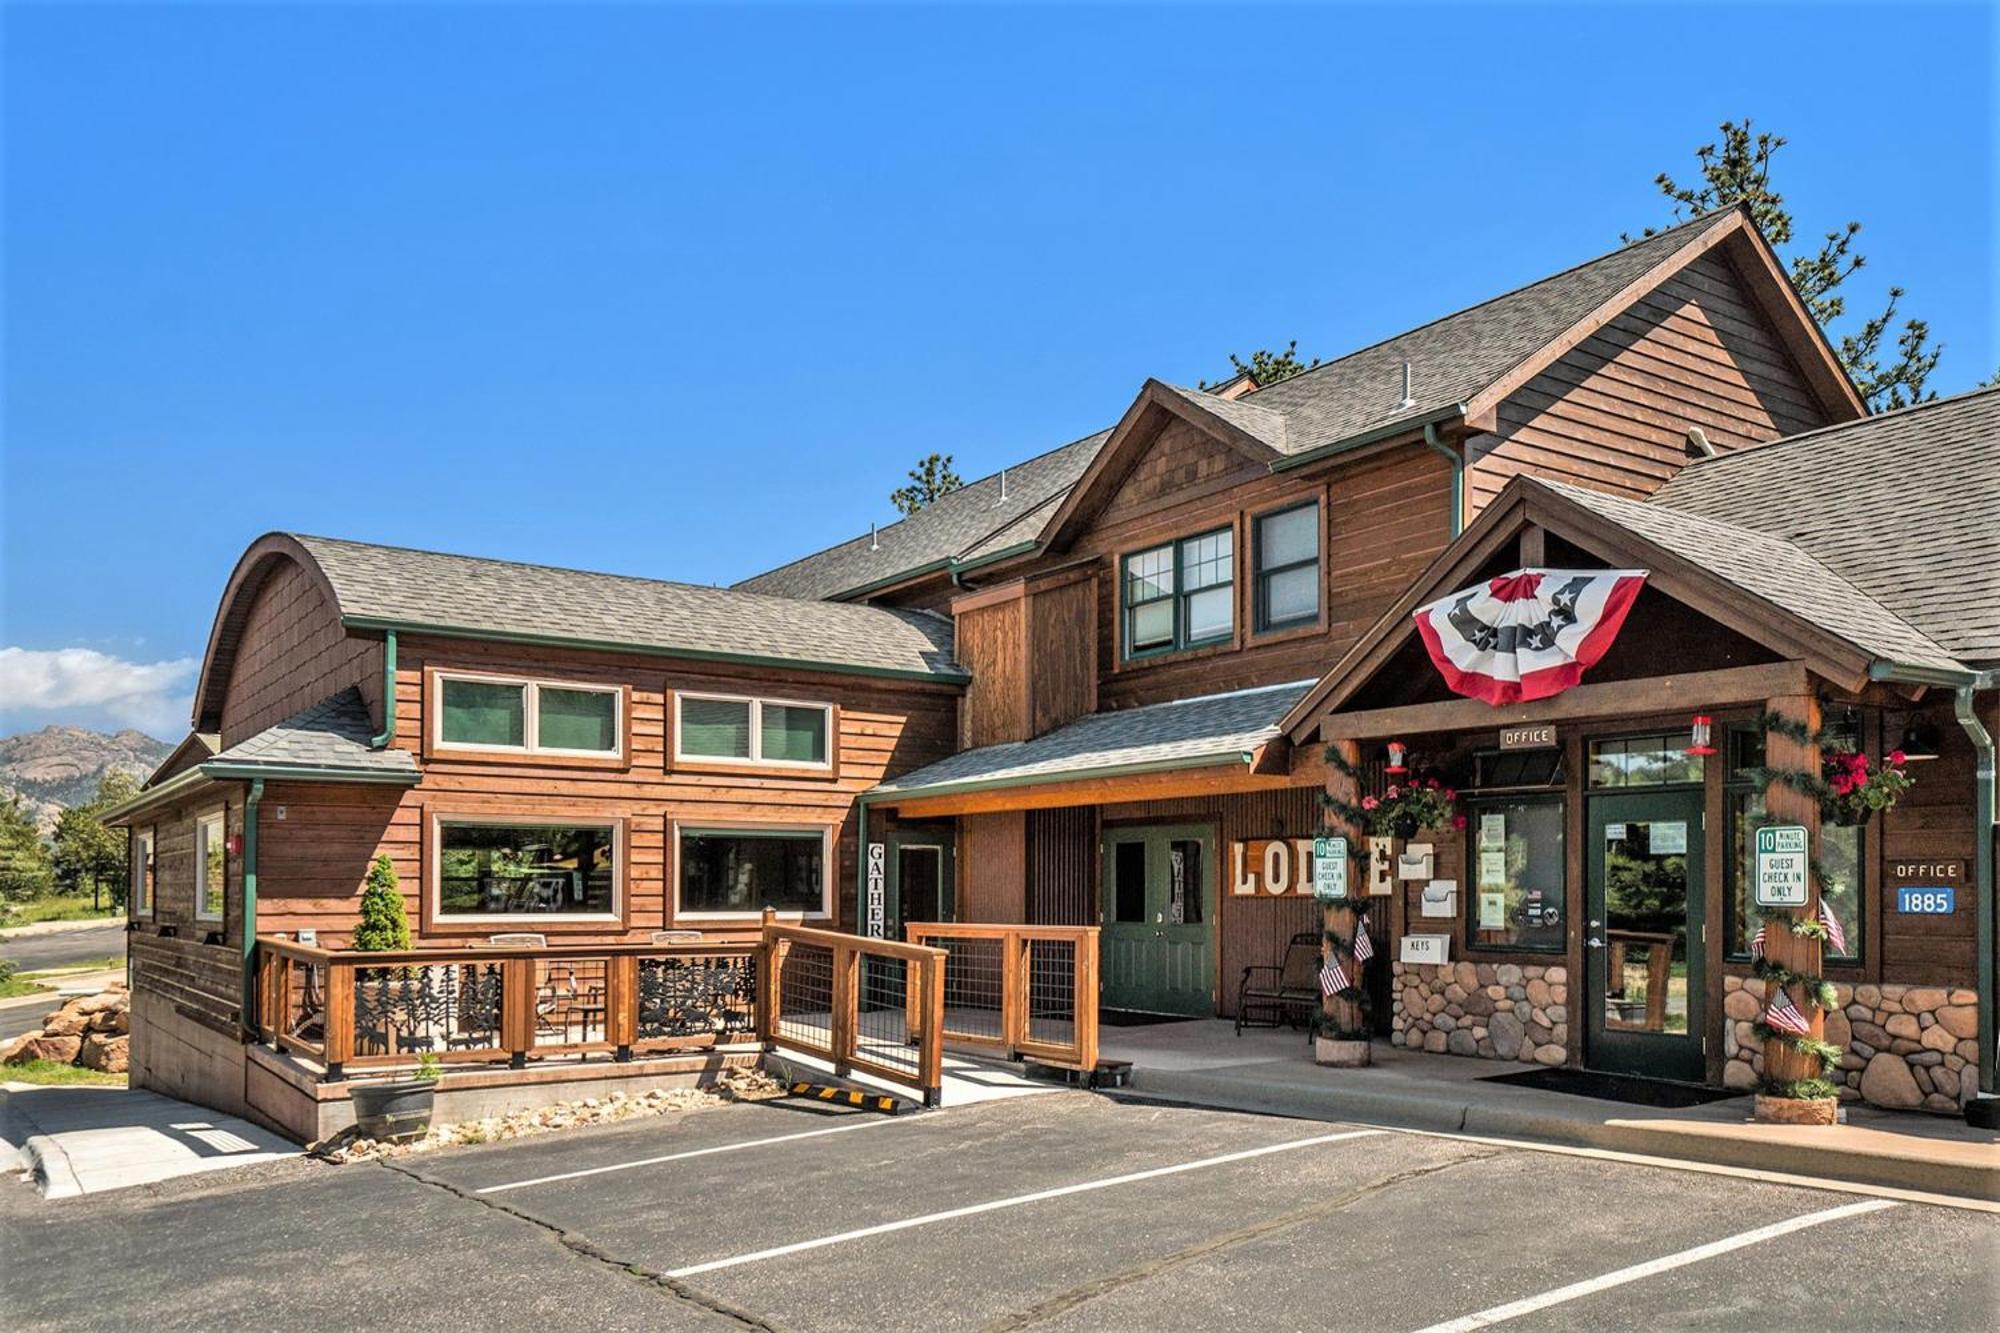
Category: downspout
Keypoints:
(1982, 874)
(249, 923)
(380, 741)
(1457, 460)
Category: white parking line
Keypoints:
(692, 1152)
(1515, 1309)
(1017, 1201)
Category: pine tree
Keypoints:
(383, 924)
(24, 858)
(1265, 366)
(930, 478)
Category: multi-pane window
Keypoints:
(743, 871)
(1180, 595)
(492, 869)
(533, 717)
(211, 877)
(781, 733)
(1643, 761)
(1287, 551)
(141, 898)
(1838, 852)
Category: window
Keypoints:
(1519, 874)
(740, 872)
(1287, 550)
(533, 717)
(140, 899)
(1644, 761)
(507, 868)
(774, 732)
(1839, 850)
(211, 866)
(1185, 885)
(1180, 595)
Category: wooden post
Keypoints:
(846, 1002)
(1013, 991)
(930, 1038)
(1086, 999)
(339, 1019)
(1343, 1014)
(517, 1010)
(621, 1004)
(768, 964)
(1800, 953)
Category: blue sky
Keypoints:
(683, 291)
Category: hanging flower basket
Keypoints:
(1857, 789)
(1406, 807)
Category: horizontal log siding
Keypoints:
(293, 654)
(314, 860)
(1613, 413)
(202, 981)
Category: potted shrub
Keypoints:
(1856, 789)
(398, 1110)
(1406, 807)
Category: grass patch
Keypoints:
(104, 964)
(60, 907)
(52, 1075)
(18, 985)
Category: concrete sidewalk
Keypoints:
(88, 1140)
(1202, 1062)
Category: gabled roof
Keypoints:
(1904, 506)
(1461, 366)
(1186, 733)
(330, 740)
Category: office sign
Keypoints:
(1946, 871)
(1541, 736)
(1926, 899)
(1329, 866)
(1781, 866)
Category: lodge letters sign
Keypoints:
(1539, 736)
(1274, 866)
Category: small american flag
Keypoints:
(1332, 976)
(1364, 948)
(1757, 941)
(1834, 934)
(1784, 1016)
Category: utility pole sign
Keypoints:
(1781, 866)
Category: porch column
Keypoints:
(1799, 953)
(1338, 1013)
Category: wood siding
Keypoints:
(1062, 656)
(170, 954)
(1932, 823)
(1063, 867)
(1613, 413)
(294, 654)
(992, 644)
(993, 868)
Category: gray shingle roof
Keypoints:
(1451, 360)
(1903, 506)
(1212, 728)
(947, 527)
(392, 585)
(1768, 567)
(333, 735)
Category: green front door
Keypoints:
(1156, 947)
(1643, 950)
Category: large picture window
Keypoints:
(779, 733)
(1286, 545)
(741, 871)
(1180, 595)
(211, 865)
(556, 869)
(528, 716)
(1518, 874)
(1839, 850)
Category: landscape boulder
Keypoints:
(41, 1046)
(107, 1054)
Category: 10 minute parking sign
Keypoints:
(1781, 866)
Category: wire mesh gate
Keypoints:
(866, 1005)
(1030, 991)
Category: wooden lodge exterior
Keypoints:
(1095, 690)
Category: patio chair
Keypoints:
(1285, 991)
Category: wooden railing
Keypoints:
(866, 1005)
(1030, 991)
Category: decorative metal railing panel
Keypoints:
(697, 997)
(432, 1008)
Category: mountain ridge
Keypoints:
(60, 766)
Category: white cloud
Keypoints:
(82, 684)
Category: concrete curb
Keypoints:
(57, 927)
(1751, 1147)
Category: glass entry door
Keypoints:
(1642, 947)
(919, 882)
(1156, 948)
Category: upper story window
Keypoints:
(1286, 544)
(775, 733)
(1180, 595)
(528, 716)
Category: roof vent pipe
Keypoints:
(1003, 485)
(1407, 401)
(874, 538)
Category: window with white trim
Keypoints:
(742, 870)
(211, 865)
(140, 897)
(521, 867)
(528, 716)
(1180, 595)
(776, 733)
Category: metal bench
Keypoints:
(1286, 991)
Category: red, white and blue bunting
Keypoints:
(1529, 634)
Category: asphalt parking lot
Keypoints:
(1061, 1211)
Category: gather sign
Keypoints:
(1274, 866)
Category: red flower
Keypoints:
(1458, 821)
(1369, 803)
(1431, 783)
(1897, 758)
(1392, 793)
(1450, 795)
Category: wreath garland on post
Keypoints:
(1342, 951)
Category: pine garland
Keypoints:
(1347, 811)
(1818, 990)
(1825, 1051)
(1799, 1089)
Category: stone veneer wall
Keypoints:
(1502, 1011)
(1908, 1047)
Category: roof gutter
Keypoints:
(380, 740)
(1457, 461)
(1453, 412)
(305, 773)
(1965, 685)
(897, 795)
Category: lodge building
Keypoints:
(1115, 686)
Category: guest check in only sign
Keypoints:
(1781, 866)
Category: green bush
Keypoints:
(383, 925)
